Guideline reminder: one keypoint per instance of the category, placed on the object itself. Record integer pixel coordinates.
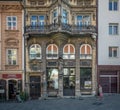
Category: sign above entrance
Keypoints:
(7, 76)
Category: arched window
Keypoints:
(52, 51)
(69, 51)
(35, 51)
(85, 51)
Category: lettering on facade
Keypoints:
(7, 76)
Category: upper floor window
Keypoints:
(32, 3)
(52, 51)
(11, 56)
(11, 22)
(69, 51)
(113, 51)
(41, 2)
(85, 51)
(35, 51)
(55, 16)
(83, 20)
(64, 16)
(113, 29)
(113, 5)
(37, 20)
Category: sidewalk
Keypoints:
(110, 102)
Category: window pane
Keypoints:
(52, 79)
(12, 57)
(14, 18)
(115, 5)
(83, 50)
(110, 5)
(115, 30)
(66, 49)
(35, 51)
(110, 52)
(85, 78)
(115, 53)
(55, 13)
(79, 17)
(71, 49)
(88, 50)
(110, 30)
(34, 18)
(41, 17)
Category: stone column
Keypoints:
(26, 74)
(94, 71)
(60, 78)
(44, 74)
(77, 82)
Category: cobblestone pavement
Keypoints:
(110, 102)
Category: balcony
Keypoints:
(71, 29)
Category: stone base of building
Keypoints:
(109, 78)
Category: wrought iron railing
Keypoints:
(73, 29)
(85, 56)
(52, 56)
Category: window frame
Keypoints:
(11, 27)
(11, 60)
(112, 51)
(69, 55)
(113, 29)
(112, 5)
(51, 53)
(83, 21)
(37, 21)
(65, 17)
(55, 18)
(85, 55)
(35, 57)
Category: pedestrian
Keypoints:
(100, 92)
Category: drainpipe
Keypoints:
(23, 4)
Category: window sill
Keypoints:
(8, 30)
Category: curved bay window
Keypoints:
(85, 51)
(55, 16)
(64, 16)
(85, 78)
(69, 51)
(52, 51)
(35, 51)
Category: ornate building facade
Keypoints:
(11, 34)
(60, 48)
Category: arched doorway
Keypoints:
(12, 89)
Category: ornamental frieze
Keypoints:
(12, 42)
(8, 7)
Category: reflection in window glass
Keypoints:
(12, 56)
(35, 51)
(85, 78)
(52, 79)
(66, 71)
